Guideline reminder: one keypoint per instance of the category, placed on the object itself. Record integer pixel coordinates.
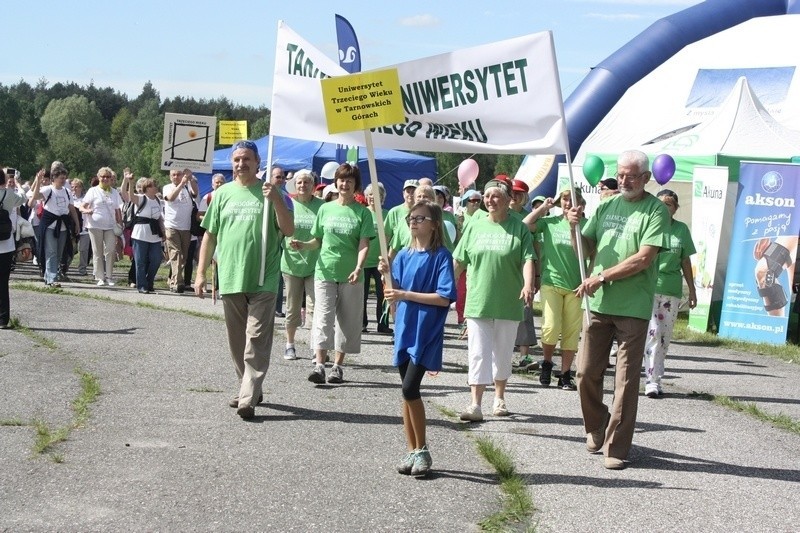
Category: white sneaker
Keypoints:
(290, 354)
(500, 408)
(101, 282)
(651, 390)
(110, 283)
(472, 413)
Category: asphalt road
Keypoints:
(163, 451)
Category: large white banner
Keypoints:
(503, 97)
(709, 185)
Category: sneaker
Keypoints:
(533, 367)
(472, 413)
(385, 329)
(110, 283)
(407, 463)
(280, 314)
(500, 408)
(612, 463)
(132, 285)
(565, 381)
(317, 375)
(101, 282)
(337, 375)
(652, 390)
(547, 373)
(290, 354)
(422, 462)
(596, 439)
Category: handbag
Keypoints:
(118, 229)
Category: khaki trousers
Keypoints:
(337, 316)
(294, 298)
(598, 334)
(178, 241)
(250, 321)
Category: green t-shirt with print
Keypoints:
(494, 255)
(396, 218)
(560, 267)
(681, 246)
(301, 263)
(340, 228)
(235, 218)
(620, 228)
(374, 244)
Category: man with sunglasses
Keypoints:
(625, 235)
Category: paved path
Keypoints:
(162, 451)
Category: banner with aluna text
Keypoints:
(503, 97)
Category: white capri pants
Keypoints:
(337, 316)
(491, 346)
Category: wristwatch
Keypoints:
(602, 278)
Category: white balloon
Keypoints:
(329, 170)
(451, 230)
(290, 186)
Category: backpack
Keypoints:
(5, 220)
(130, 212)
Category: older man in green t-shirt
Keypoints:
(625, 234)
(233, 226)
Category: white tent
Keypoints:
(691, 87)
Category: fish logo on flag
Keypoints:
(349, 52)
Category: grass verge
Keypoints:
(781, 421)
(517, 505)
(36, 288)
(47, 438)
(787, 352)
(41, 340)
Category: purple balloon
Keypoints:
(663, 168)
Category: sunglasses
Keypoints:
(417, 219)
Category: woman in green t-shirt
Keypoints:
(341, 230)
(672, 262)
(497, 252)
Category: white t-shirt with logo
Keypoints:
(58, 203)
(177, 213)
(104, 205)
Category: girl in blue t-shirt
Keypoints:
(423, 289)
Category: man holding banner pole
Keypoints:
(626, 233)
(233, 226)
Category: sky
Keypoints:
(201, 49)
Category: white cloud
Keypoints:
(420, 21)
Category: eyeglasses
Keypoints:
(418, 219)
(104, 177)
(474, 201)
(629, 176)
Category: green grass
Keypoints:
(517, 504)
(100, 297)
(203, 389)
(787, 352)
(36, 338)
(781, 420)
(47, 438)
(12, 422)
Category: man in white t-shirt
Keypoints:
(177, 221)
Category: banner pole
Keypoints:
(265, 215)
(373, 178)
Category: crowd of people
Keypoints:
(487, 259)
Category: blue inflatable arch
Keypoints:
(602, 88)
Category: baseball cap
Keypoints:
(519, 186)
(538, 199)
(442, 189)
(410, 183)
(610, 183)
(330, 188)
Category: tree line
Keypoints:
(90, 127)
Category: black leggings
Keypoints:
(411, 375)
